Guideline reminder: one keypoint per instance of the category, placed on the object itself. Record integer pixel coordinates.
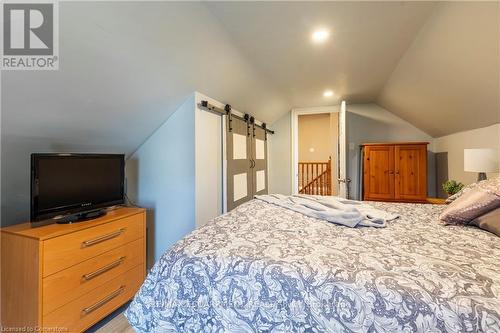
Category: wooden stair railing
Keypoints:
(315, 178)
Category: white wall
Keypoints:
(371, 123)
(161, 178)
(280, 156)
(454, 144)
(208, 152)
(177, 174)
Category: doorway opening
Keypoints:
(317, 143)
(318, 150)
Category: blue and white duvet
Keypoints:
(263, 268)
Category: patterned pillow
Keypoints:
(464, 190)
(482, 184)
(474, 203)
(492, 185)
(489, 221)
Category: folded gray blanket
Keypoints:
(336, 210)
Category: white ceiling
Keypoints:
(126, 66)
(449, 79)
(366, 42)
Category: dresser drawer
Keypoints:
(70, 249)
(85, 311)
(66, 285)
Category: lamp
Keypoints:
(481, 160)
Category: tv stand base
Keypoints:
(80, 217)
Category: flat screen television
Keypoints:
(71, 187)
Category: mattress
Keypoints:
(263, 268)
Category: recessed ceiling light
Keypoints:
(319, 36)
(328, 93)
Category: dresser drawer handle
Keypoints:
(103, 238)
(104, 300)
(90, 276)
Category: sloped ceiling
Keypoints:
(367, 40)
(126, 66)
(434, 64)
(449, 79)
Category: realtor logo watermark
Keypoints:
(30, 35)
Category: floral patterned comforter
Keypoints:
(262, 268)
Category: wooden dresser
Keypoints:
(67, 277)
(395, 171)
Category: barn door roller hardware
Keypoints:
(252, 121)
(264, 126)
(227, 108)
(227, 111)
(247, 120)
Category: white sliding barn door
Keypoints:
(209, 161)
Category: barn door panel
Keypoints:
(239, 154)
(259, 156)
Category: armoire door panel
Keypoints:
(411, 172)
(379, 173)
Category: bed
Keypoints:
(264, 268)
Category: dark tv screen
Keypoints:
(71, 183)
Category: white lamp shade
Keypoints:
(481, 160)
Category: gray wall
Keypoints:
(454, 145)
(15, 168)
(161, 178)
(371, 123)
(124, 69)
(280, 156)
(441, 173)
(365, 123)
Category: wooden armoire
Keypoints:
(395, 171)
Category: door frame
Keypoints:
(343, 180)
(294, 125)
